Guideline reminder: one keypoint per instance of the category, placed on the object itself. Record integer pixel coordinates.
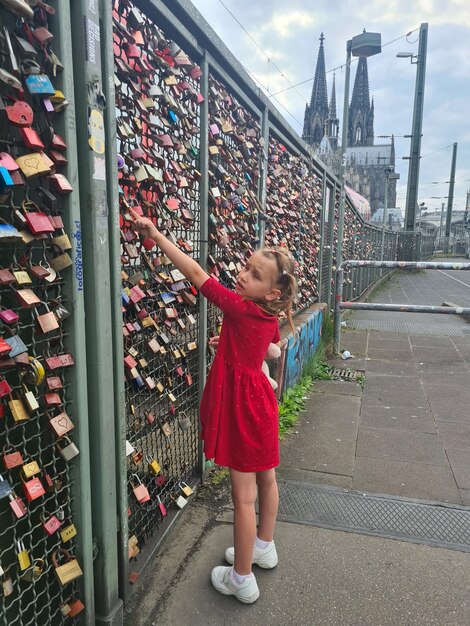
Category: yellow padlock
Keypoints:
(18, 409)
(67, 533)
(23, 557)
(30, 469)
(186, 489)
(154, 466)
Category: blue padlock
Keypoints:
(5, 488)
(172, 117)
(39, 85)
(6, 181)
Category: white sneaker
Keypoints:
(222, 579)
(265, 558)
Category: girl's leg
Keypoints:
(244, 519)
(268, 496)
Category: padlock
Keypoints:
(161, 506)
(76, 606)
(47, 321)
(180, 501)
(133, 547)
(30, 400)
(153, 466)
(50, 525)
(23, 557)
(7, 584)
(61, 424)
(5, 488)
(33, 489)
(12, 459)
(34, 571)
(69, 450)
(17, 505)
(184, 422)
(68, 532)
(30, 469)
(186, 489)
(18, 409)
(69, 570)
(141, 491)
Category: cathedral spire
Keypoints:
(361, 113)
(316, 113)
(332, 109)
(319, 98)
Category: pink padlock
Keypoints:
(9, 316)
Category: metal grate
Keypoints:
(344, 374)
(397, 518)
(410, 328)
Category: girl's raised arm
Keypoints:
(186, 265)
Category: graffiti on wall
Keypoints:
(296, 354)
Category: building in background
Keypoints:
(365, 162)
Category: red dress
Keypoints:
(239, 414)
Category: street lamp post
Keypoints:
(415, 147)
(389, 175)
(366, 45)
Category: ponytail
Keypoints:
(286, 282)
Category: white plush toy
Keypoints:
(274, 352)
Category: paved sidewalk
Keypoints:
(406, 433)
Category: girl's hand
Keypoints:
(144, 225)
(214, 341)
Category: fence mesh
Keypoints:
(157, 107)
(36, 410)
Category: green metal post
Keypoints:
(332, 243)
(450, 199)
(73, 290)
(116, 302)
(98, 309)
(204, 233)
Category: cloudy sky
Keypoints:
(287, 34)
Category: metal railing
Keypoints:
(341, 305)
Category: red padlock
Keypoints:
(5, 388)
(12, 459)
(141, 491)
(76, 606)
(33, 489)
(19, 113)
(51, 525)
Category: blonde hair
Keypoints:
(286, 282)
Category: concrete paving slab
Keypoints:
(440, 365)
(401, 478)
(446, 393)
(441, 378)
(341, 387)
(344, 427)
(460, 463)
(445, 412)
(320, 404)
(373, 395)
(334, 455)
(345, 579)
(378, 417)
(389, 344)
(434, 342)
(390, 368)
(402, 356)
(454, 436)
(285, 472)
(424, 353)
(419, 448)
(465, 496)
(405, 383)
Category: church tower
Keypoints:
(316, 113)
(361, 111)
(333, 121)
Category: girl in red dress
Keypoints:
(239, 413)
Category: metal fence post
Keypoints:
(73, 289)
(264, 174)
(116, 298)
(204, 232)
(324, 208)
(99, 337)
